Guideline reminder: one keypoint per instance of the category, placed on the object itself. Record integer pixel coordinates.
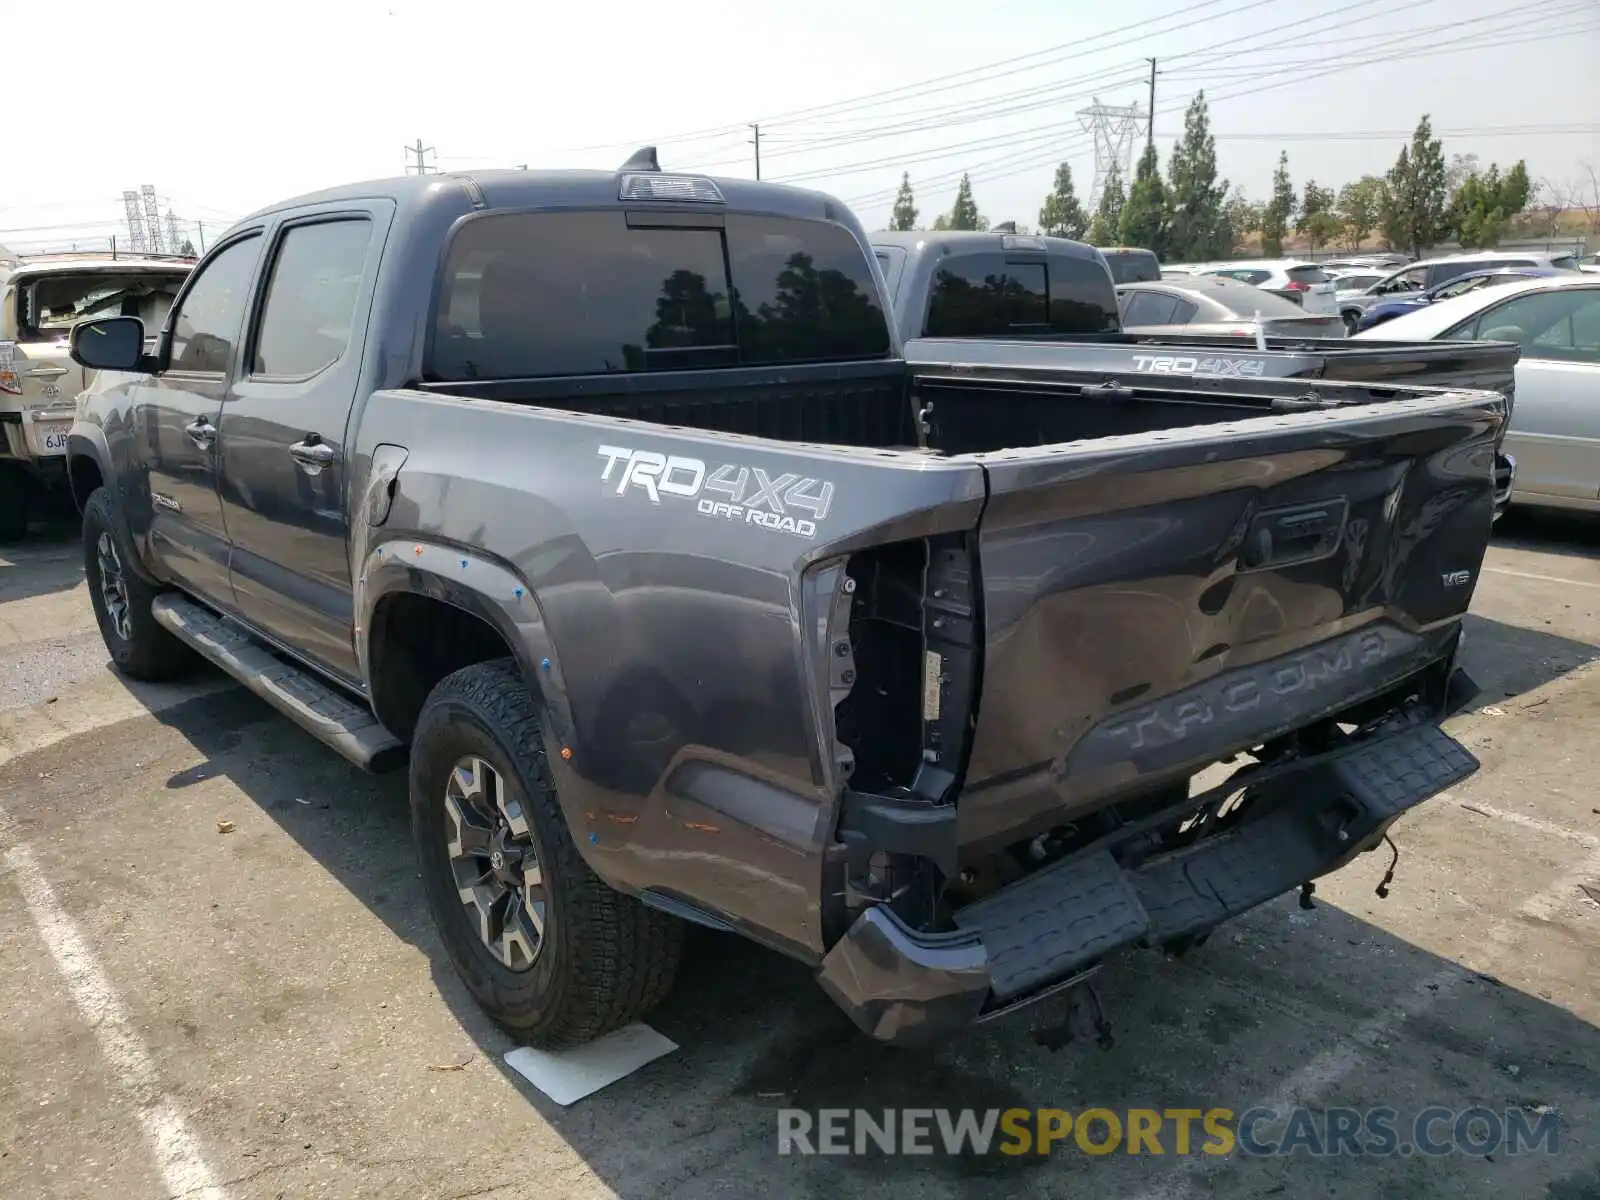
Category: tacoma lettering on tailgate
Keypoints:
(1250, 703)
(729, 492)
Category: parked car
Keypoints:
(1130, 264)
(616, 502)
(1305, 283)
(1589, 262)
(1219, 305)
(1555, 422)
(1430, 273)
(40, 299)
(1377, 314)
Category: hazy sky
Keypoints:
(242, 105)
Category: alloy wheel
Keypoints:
(113, 587)
(494, 862)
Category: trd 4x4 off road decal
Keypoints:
(729, 491)
(1185, 364)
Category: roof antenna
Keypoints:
(642, 159)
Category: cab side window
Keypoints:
(311, 298)
(207, 323)
(1560, 325)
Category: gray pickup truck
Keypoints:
(616, 505)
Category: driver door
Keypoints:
(176, 414)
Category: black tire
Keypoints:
(1351, 320)
(141, 649)
(16, 493)
(605, 959)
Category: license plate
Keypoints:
(53, 441)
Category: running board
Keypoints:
(324, 713)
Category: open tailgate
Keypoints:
(1158, 601)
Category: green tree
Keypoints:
(1416, 211)
(187, 250)
(1144, 216)
(1318, 220)
(904, 216)
(1062, 215)
(1104, 229)
(1198, 228)
(964, 212)
(1242, 217)
(940, 223)
(1360, 209)
(1279, 212)
(1484, 205)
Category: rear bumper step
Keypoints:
(326, 714)
(912, 988)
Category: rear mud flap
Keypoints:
(1070, 914)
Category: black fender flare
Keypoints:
(485, 587)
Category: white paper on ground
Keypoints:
(567, 1076)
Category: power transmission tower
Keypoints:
(420, 166)
(1114, 128)
(130, 205)
(152, 218)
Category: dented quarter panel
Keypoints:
(680, 676)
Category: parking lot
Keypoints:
(219, 968)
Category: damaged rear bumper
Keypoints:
(1047, 929)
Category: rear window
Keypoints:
(1308, 275)
(1149, 308)
(1133, 266)
(989, 295)
(585, 293)
(1564, 262)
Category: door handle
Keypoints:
(1294, 535)
(313, 454)
(46, 372)
(201, 432)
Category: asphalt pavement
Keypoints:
(220, 978)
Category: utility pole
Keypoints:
(1150, 127)
(200, 229)
(756, 141)
(420, 152)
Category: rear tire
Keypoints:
(558, 962)
(1351, 320)
(140, 648)
(16, 493)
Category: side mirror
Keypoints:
(109, 344)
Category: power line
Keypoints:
(1052, 95)
(1013, 164)
(1051, 56)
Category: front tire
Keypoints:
(1351, 320)
(140, 648)
(555, 956)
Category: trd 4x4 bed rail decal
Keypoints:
(748, 495)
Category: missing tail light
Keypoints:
(912, 641)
